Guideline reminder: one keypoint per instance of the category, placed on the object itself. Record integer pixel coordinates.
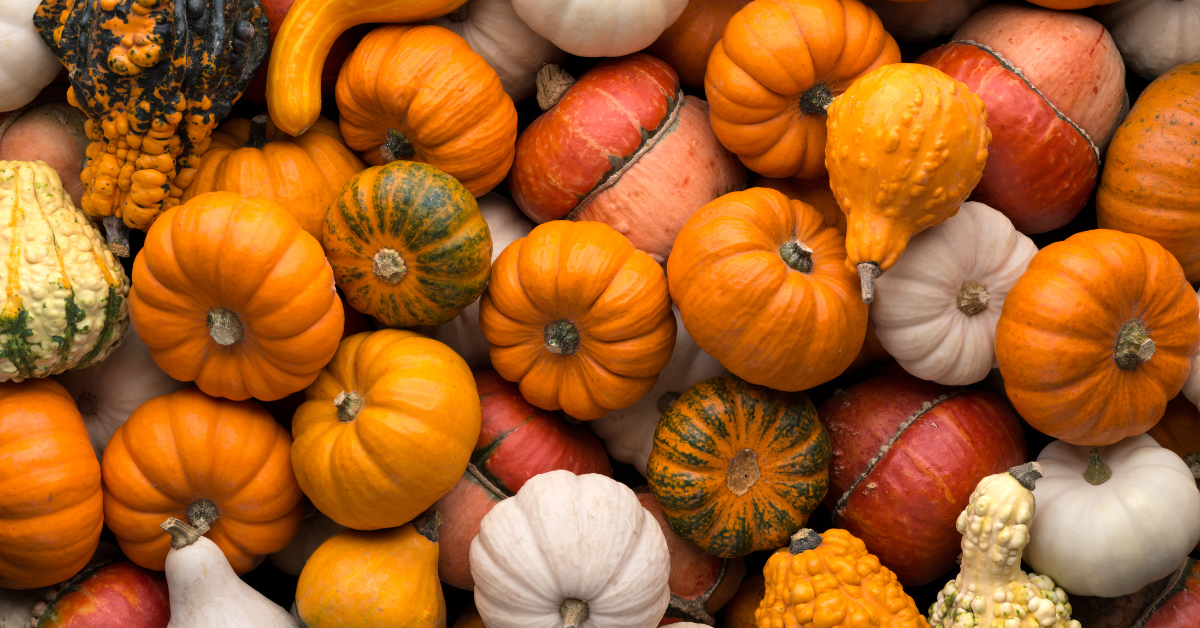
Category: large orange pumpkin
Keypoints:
(420, 93)
(762, 286)
(1149, 185)
(687, 43)
(578, 318)
(231, 293)
(303, 174)
(774, 72)
(51, 506)
(1097, 336)
(194, 457)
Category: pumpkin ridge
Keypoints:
(886, 447)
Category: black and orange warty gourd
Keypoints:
(154, 77)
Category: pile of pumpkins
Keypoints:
(390, 336)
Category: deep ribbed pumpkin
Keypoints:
(51, 510)
(687, 43)
(738, 468)
(420, 93)
(407, 244)
(1097, 336)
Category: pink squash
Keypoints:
(50, 132)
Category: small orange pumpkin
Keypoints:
(224, 464)
(687, 44)
(578, 318)
(231, 293)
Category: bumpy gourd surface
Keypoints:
(64, 302)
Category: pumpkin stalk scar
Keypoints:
(349, 404)
(562, 338)
(867, 273)
(389, 266)
(552, 83)
(117, 234)
(224, 326)
(743, 472)
(1133, 345)
(695, 610)
(797, 256)
(1097, 472)
(574, 612)
(1193, 463)
(972, 298)
(460, 14)
(202, 513)
(803, 540)
(397, 147)
(429, 524)
(88, 404)
(816, 100)
(1027, 474)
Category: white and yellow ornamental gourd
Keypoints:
(991, 591)
(65, 302)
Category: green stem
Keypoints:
(258, 132)
(397, 147)
(562, 338)
(797, 256)
(816, 100)
(348, 405)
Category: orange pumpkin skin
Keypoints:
(687, 43)
(765, 320)
(221, 254)
(179, 449)
(426, 84)
(303, 174)
(815, 192)
(51, 509)
(1073, 326)
(1149, 185)
(739, 612)
(762, 109)
(578, 318)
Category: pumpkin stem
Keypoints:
(797, 256)
(117, 234)
(552, 83)
(667, 400)
(803, 540)
(87, 404)
(1097, 472)
(389, 266)
(1133, 345)
(348, 405)
(867, 272)
(574, 612)
(224, 326)
(1193, 463)
(460, 14)
(972, 297)
(258, 132)
(816, 100)
(202, 513)
(743, 472)
(182, 534)
(397, 147)
(562, 338)
(429, 524)
(1027, 474)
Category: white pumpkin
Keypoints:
(27, 64)
(936, 310)
(600, 28)
(923, 21)
(16, 607)
(108, 392)
(1153, 35)
(507, 223)
(628, 434)
(1111, 520)
(570, 551)
(496, 32)
(314, 530)
(1191, 387)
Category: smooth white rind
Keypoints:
(205, 593)
(600, 28)
(28, 65)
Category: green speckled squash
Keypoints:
(64, 292)
(407, 244)
(736, 467)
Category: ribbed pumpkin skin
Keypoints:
(815, 192)
(51, 510)
(915, 132)
(772, 53)
(431, 221)
(1149, 186)
(694, 444)
(250, 257)
(381, 578)
(765, 321)
(1057, 336)
(179, 448)
(116, 595)
(687, 43)
(427, 83)
(48, 242)
(408, 443)
(303, 174)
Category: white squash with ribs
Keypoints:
(600, 28)
(936, 310)
(26, 63)
(1153, 35)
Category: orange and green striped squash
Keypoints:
(738, 468)
(407, 244)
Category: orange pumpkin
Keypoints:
(1097, 336)
(762, 286)
(420, 93)
(303, 174)
(687, 43)
(231, 293)
(224, 464)
(1149, 185)
(51, 506)
(578, 318)
(775, 71)
(815, 192)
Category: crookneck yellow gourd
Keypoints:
(906, 146)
